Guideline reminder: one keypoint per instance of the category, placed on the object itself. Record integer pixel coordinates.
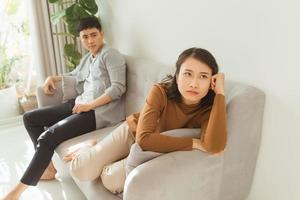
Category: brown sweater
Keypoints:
(160, 114)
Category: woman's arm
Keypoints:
(146, 134)
(214, 130)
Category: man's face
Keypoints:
(92, 40)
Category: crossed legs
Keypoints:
(105, 159)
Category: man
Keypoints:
(100, 84)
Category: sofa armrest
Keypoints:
(177, 175)
(46, 100)
(194, 174)
(245, 106)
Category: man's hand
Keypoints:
(217, 83)
(79, 108)
(49, 86)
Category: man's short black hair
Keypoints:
(89, 22)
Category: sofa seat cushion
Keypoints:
(74, 143)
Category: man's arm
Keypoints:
(102, 100)
(116, 67)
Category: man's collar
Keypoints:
(99, 51)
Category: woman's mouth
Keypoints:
(194, 93)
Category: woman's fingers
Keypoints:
(218, 83)
(74, 153)
(91, 142)
(70, 156)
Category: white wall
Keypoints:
(257, 42)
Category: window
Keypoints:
(15, 49)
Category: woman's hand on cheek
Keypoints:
(217, 83)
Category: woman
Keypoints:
(192, 98)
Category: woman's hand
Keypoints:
(217, 83)
(197, 145)
(73, 154)
(79, 108)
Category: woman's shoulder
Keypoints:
(157, 95)
(159, 89)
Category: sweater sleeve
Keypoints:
(214, 130)
(116, 67)
(147, 136)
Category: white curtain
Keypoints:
(48, 55)
(43, 56)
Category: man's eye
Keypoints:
(187, 73)
(203, 77)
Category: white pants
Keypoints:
(106, 159)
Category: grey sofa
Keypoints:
(183, 175)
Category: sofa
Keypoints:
(184, 174)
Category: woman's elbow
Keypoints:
(215, 149)
(141, 142)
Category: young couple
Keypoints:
(192, 98)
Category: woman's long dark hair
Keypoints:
(170, 82)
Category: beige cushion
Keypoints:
(68, 88)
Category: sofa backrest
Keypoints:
(141, 75)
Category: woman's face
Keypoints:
(193, 80)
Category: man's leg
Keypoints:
(70, 127)
(65, 129)
(36, 120)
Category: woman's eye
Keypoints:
(203, 77)
(187, 74)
